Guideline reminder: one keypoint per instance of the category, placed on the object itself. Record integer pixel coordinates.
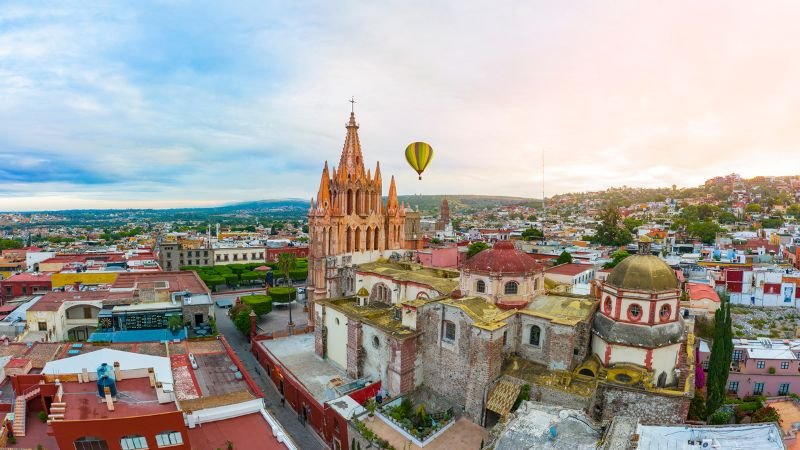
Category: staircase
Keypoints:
(21, 408)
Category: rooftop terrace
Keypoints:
(564, 310)
(296, 354)
(135, 397)
(377, 314)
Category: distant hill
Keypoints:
(463, 202)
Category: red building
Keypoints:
(298, 252)
(25, 284)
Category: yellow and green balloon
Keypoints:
(419, 155)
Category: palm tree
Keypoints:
(287, 263)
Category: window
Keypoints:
(784, 364)
(505, 338)
(376, 342)
(737, 355)
(634, 312)
(42, 326)
(758, 388)
(783, 389)
(607, 306)
(448, 331)
(760, 364)
(480, 286)
(665, 312)
(90, 443)
(169, 438)
(535, 336)
(133, 443)
(511, 288)
(733, 387)
(705, 365)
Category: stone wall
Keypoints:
(444, 366)
(403, 359)
(190, 310)
(354, 342)
(485, 363)
(648, 407)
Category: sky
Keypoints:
(187, 103)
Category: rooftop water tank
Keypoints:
(105, 379)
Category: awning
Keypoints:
(503, 397)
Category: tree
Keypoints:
(794, 210)
(697, 408)
(766, 414)
(564, 258)
(241, 318)
(532, 234)
(719, 361)
(174, 323)
(632, 223)
(616, 258)
(705, 231)
(475, 248)
(609, 231)
(9, 244)
(753, 208)
(532, 218)
(772, 222)
(726, 217)
(287, 263)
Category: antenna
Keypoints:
(543, 204)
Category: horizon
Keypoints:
(185, 105)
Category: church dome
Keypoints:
(643, 273)
(502, 258)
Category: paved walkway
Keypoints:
(277, 319)
(303, 436)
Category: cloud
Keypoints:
(196, 102)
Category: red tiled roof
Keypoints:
(83, 257)
(17, 363)
(503, 258)
(569, 269)
(700, 291)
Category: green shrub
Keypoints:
(261, 304)
(720, 418)
(766, 414)
(299, 274)
(524, 394)
(231, 279)
(283, 294)
(251, 276)
(43, 416)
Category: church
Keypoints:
(348, 223)
(478, 335)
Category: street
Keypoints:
(303, 436)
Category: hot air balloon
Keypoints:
(419, 155)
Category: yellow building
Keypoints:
(85, 278)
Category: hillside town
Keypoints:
(622, 319)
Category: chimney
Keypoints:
(152, 375)
(117, 371)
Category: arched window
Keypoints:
(634, 312)
(607, 306)
(448, 331)
(90, 443)
(535, 337)
(169, 438)
(665, 312)
(133, 442)
(511, 288)
(480, 286)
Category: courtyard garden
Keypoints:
(415, 420)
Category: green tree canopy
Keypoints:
(793, 210)
(564, 258)
(475, 248)
(532, 234)
(705, 231)
(726, 217)
(753, 208)
(616, 258)
(9, 244)
(719, 361)
(772, 222)
(610, 231)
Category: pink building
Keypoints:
(443, 257)
(763, 366)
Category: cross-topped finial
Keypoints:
(352, 104)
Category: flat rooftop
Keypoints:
(258, 434)
(296, 354)
(185, 281)
(762, 436)
(560, 309)
(135, 397)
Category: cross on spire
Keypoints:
(352, 104)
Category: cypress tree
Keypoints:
(720, 359)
